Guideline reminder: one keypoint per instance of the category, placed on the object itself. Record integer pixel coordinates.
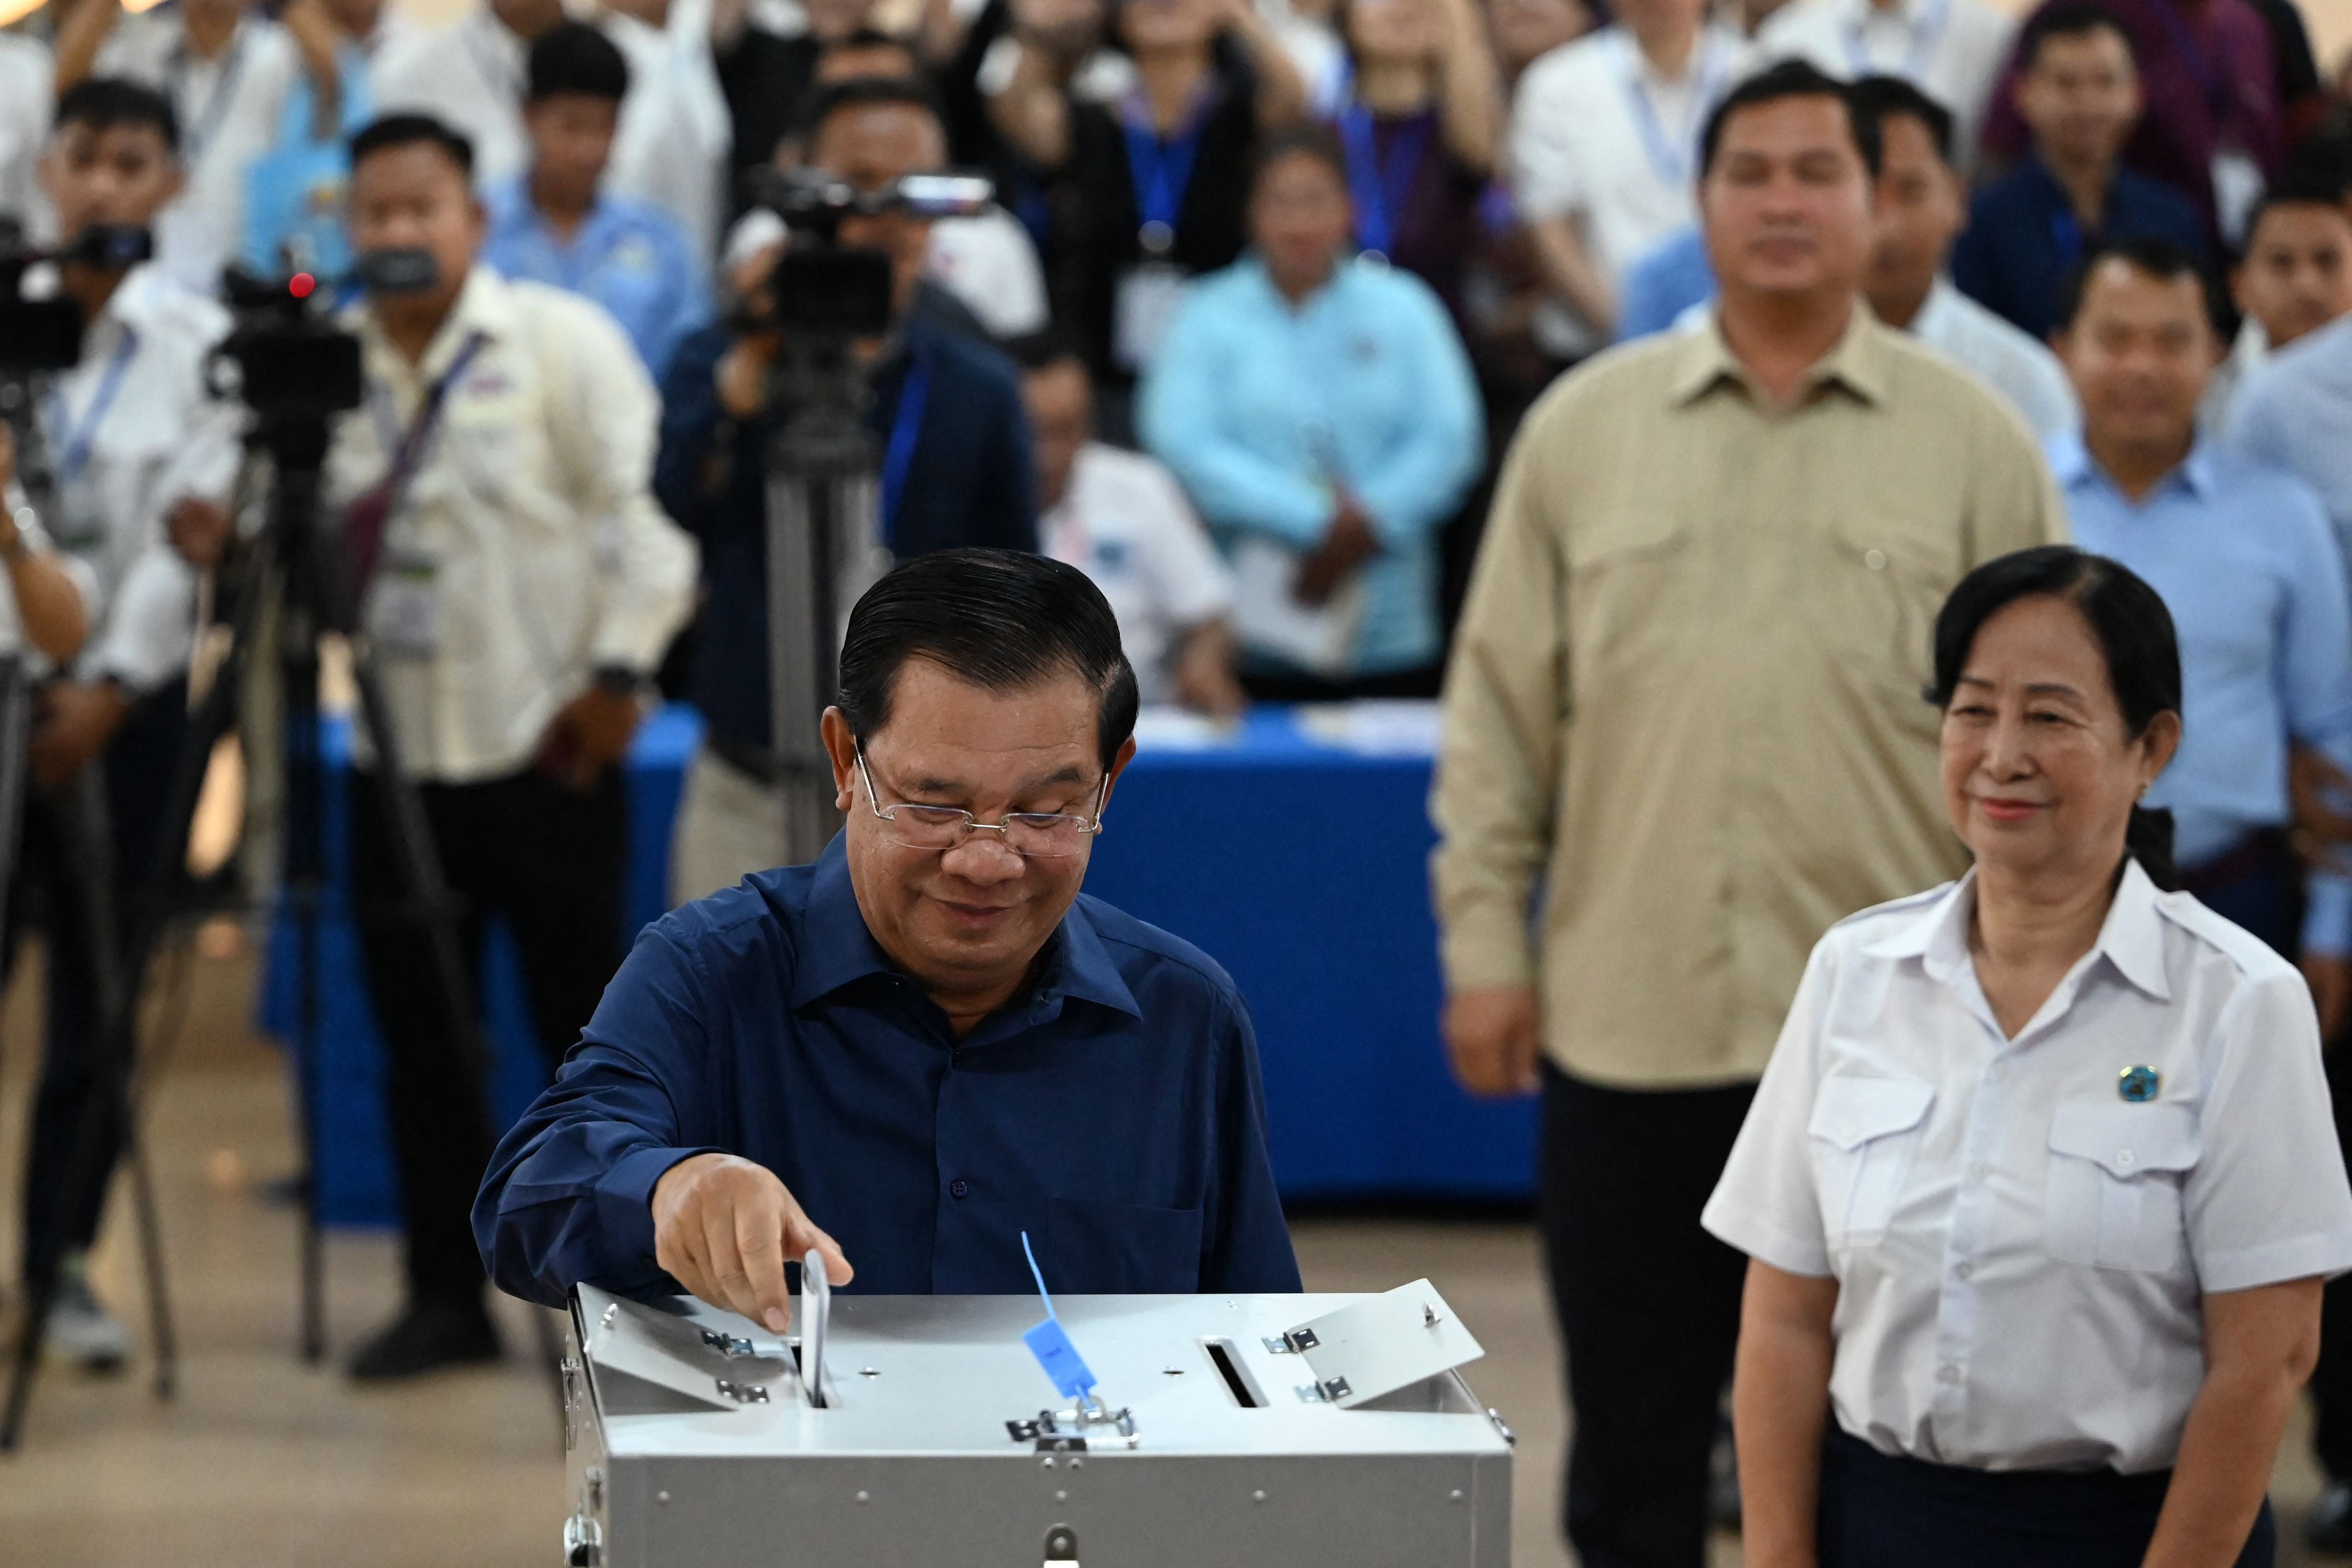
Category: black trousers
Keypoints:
(135, 771)
(1648, 1305)
(1881, 1511)
(550, 860)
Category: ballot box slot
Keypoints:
(1226, 1357)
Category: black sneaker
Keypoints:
(2328, 1526)
(427, 1337)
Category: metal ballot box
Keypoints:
(1231, 1432)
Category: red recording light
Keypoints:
(301, 285)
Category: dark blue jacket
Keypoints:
(2023, 239)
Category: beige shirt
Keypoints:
(527, 551)
(1685, 695)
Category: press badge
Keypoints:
(1149, 296)
(405, 621)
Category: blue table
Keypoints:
(1299, 865)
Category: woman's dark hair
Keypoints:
(2133, 631)
(1003, 620)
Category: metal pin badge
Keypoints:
(2140, 1084)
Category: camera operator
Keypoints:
(948, 403)
(519, 585)
(144, 459)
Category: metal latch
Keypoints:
(583, 1542)
(741, 1393)
(1069, 1431)
(732, 1346)
(1293, 1342)
(1330, 1391)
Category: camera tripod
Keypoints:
(292, 590)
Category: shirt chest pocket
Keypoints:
(2116, 1174)
(1866, 1132)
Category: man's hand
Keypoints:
(591, 733)
(724, 1227)
(2330, 979)
(742, 375)
(1346, 544)
(2312, 779)
(1494, 1034)
(200, 531)
(74, 721)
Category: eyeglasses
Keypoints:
(1036, 835)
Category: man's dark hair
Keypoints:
(2166, 260)
(106, 103)
(869, 39)
(1003, 620)
(2068, 19)
(1887, 98)
(2133, 631)
(2299, 188)
(1315, 142)
(573, 57)
(1789, 78)
(866, 93)
(396, 131)
(1037, 350)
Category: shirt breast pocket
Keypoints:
(1112, 1249)
(2115, 1175)
(1866, 1132)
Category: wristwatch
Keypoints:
(620, 681)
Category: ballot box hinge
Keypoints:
(1295, 1342)
(1330, 1391)
(741, 1393)
(732, 1346)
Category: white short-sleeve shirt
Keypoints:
(1126, 524)
(1952, 50)
(1598, 135)
(2023, 1230)
(26, 72)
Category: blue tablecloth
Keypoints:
(1299, 865)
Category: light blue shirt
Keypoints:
(2295, 413)
(297, 191)
(631, 258)
(1669, 279)
(2245, 561)
(1261, 409)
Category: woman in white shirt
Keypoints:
(2041, 1185)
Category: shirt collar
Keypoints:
(2073, 466)
(837, 949)
(2131, 938)
(483, 305)
(1857, 362)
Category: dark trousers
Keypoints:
(550, 860)
(1648, 1306)
(135, 770)
(1879, 1510)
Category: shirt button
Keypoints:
(1874, 559)
(1966, 1271)
(2123, 1159)
(959, 1188)
(1948, 1373)
(1979, 1171)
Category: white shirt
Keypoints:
(1125, 523)
(1598, 135)
(1952, 50)
(990, 263)
(131, 432)
(26, 77)
(530, 530)
(2010, 361)
(229, 109)
(672, 139)
(2021, 1251)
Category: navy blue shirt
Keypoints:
(2024, 238)
(1113, 1110)
(971, 482)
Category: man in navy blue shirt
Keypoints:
(2078, 90)
(946, 414)
(927, 1043)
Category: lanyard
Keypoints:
(1162, 170)
(405, 447)
(2066, 233)
(74, 447)
(906, 429)
(1381, 190)
(1925, 36)
(203, 128)
(1670, 159)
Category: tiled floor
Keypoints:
(262, 1461)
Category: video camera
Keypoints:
(824, 288)
(40, 326)
(286, 358)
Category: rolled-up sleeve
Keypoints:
(1766, 1203)
(2268, 1200)
(568, 1197)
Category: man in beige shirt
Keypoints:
(1686, 699)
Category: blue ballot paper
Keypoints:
(1050, 1343)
